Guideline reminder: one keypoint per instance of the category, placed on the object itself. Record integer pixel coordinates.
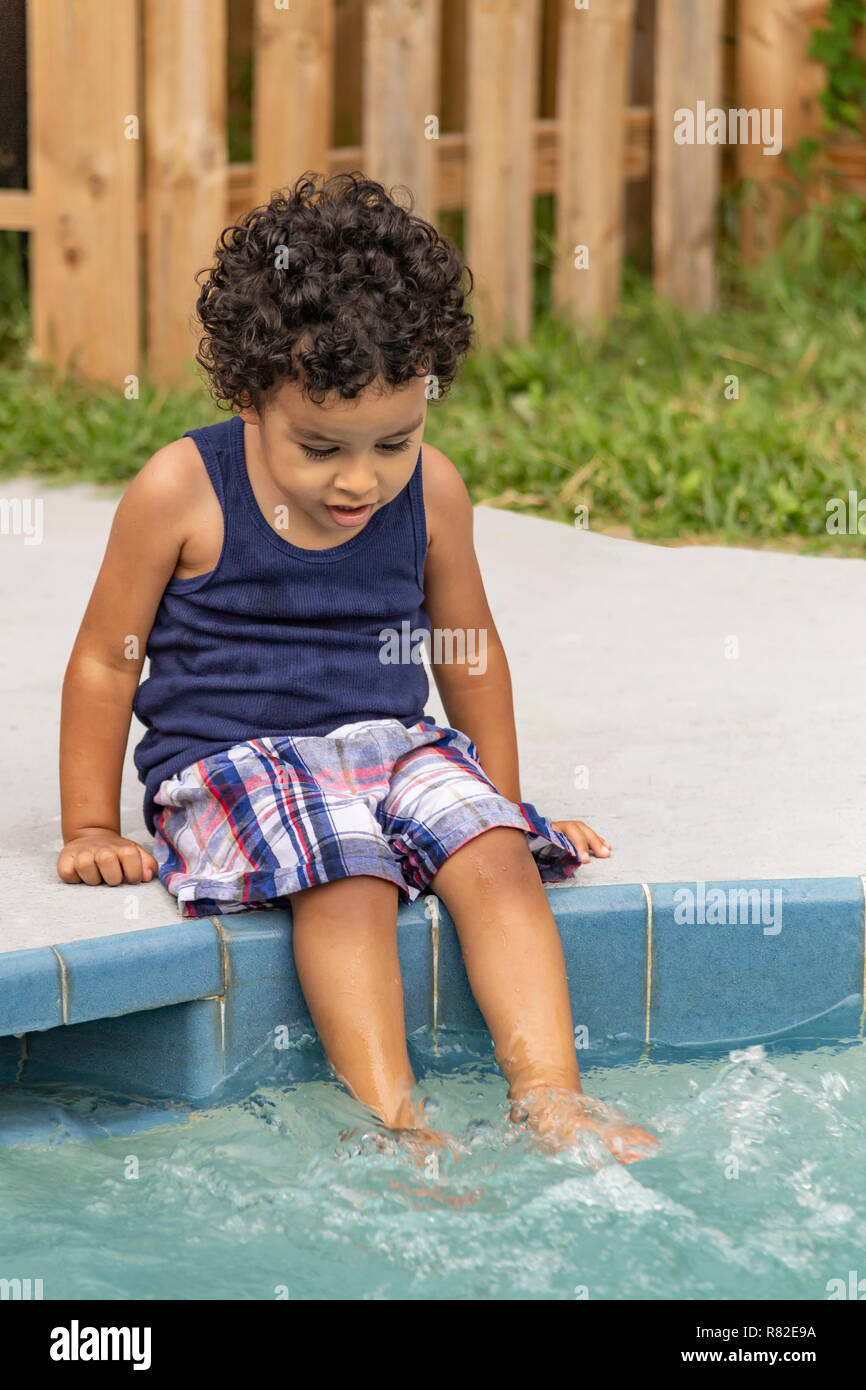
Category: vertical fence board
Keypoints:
(84, 179)
(592, 97)
(453, 63)
(502, 65)
(239, 53)
(186, 171)
(293, 52)
(401, 89)
(549, 58)
(348, 93)
(774, 71)
(689, 43)
(638, 192)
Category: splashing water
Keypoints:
(756, 1191)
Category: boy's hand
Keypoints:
(102, 856)
(585, 840)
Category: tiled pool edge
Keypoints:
(174, 1011)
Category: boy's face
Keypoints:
(354, 454)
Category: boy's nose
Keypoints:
(356, 487)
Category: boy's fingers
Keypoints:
(579, 842)
(109, 866)
(597, 844)
(87, 869)
(139, 866)
(590, 839)
(131, 863)
(66, 867)
(566, 826)
(584, 839)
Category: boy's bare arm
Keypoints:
(479, 703)
(477, 693)
(102, 676)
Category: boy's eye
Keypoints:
(326, 453)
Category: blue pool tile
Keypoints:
(30, 990)
(132, 1120)
(31, 1119)
(27, 1118)
(172, 1012)
(603, 934)
(842, 1021)
(604, 939)
(174, 1052)
(264, 1003)
(788, 954)
(141, 970)
(415, 949)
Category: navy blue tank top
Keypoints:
(281, 640)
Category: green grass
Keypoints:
(633, 424)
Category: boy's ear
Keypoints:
(247, 411)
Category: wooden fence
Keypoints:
(478, 105)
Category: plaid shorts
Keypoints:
(247, 827)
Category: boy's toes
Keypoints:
(431, 1140)
(631, 1145)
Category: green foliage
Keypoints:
(14, 310)
(636, 424)
(66, 431)
(844, 97)
(633, 423)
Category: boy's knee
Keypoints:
(351, 894)
(498, 854)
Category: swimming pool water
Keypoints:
(758, 1191)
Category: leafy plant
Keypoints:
(14, 306)
(844, 97)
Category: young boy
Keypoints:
(265, 564)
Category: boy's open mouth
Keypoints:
(350, 516)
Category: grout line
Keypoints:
(431, 910)
(224, 971)
(224, 953)
(64, 996)
(649, 957)
(863, 1009)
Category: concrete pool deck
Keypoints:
(700, 707)
(695, 763)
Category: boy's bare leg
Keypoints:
(345, 945)
(516, 968)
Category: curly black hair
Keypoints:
(337, 286)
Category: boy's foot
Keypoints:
(424, 1145)
(558, 1117)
